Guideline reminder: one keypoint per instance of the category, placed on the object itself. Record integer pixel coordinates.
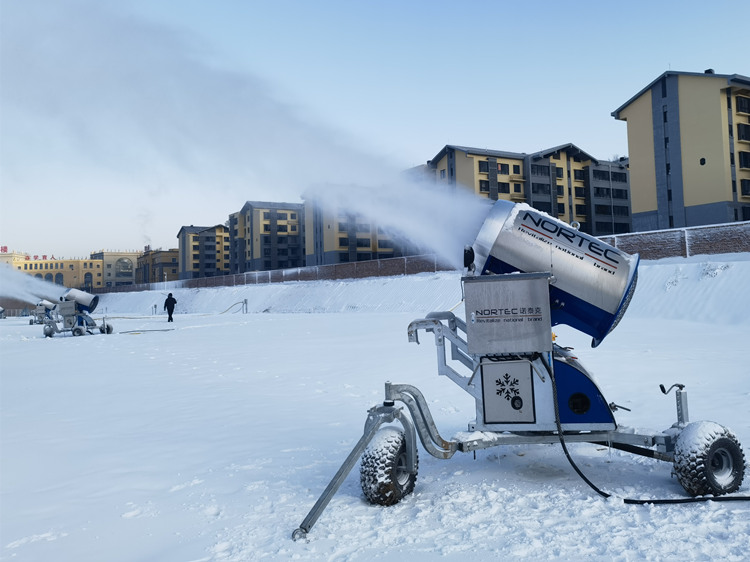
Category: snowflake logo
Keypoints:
(507, 387)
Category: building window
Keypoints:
(517, 188)
(580, 192)
(620, 211)
(580, 209)
(560, 209)
(442, 174)
(743, 104)
(558, 172)
(281, 228)
(543, 206)
(743, 132)
(602, 209)
(744, 159)
(539, 170)
(484, 186)
(503, 169)
(601, 192)
(540, 188)
(503, 187)
(745, 187)
(578, 175)
(281, 216)
(619, 194)
(604, 227)
(363, 242)
(484, 167)
(516, 168)
(560, 191)
(266, 215)
(601, 175)
(620, 177)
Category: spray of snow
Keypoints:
(436, 219)
(109, 99)
(26, 288)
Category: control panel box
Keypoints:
(508, 314)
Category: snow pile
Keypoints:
(210, 438)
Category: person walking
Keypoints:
(169, 306)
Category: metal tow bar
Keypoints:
(376, 416)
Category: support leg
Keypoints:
(375, 418)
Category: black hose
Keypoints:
(601, 492)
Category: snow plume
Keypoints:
(133, 116)
(25, 288)
(434, 218)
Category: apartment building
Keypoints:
(203, 251)
(689, 148)
(156, 266)
(265, 236)
(563, 181)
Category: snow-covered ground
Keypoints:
(211, 438)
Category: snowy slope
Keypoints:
(213, 439)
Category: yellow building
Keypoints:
(203, 251)
(156, 266)
(84, 274)
(265, 236)
(118, 267)
(563, 181)
(689, 149)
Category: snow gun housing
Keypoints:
(526, 272)
(591, 282)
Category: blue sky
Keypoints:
(122, 117)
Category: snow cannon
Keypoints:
(74, 308)
(85, 302)
(526, 272)
(591, 282)
(43, 310)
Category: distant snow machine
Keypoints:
(528, 272)
(74, 308)
(42, 310)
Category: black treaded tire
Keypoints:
(382, 472)
(78, 331)
(708, 459)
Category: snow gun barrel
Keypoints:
(592, 282)
(85, 302)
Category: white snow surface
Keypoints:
(210, 438)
